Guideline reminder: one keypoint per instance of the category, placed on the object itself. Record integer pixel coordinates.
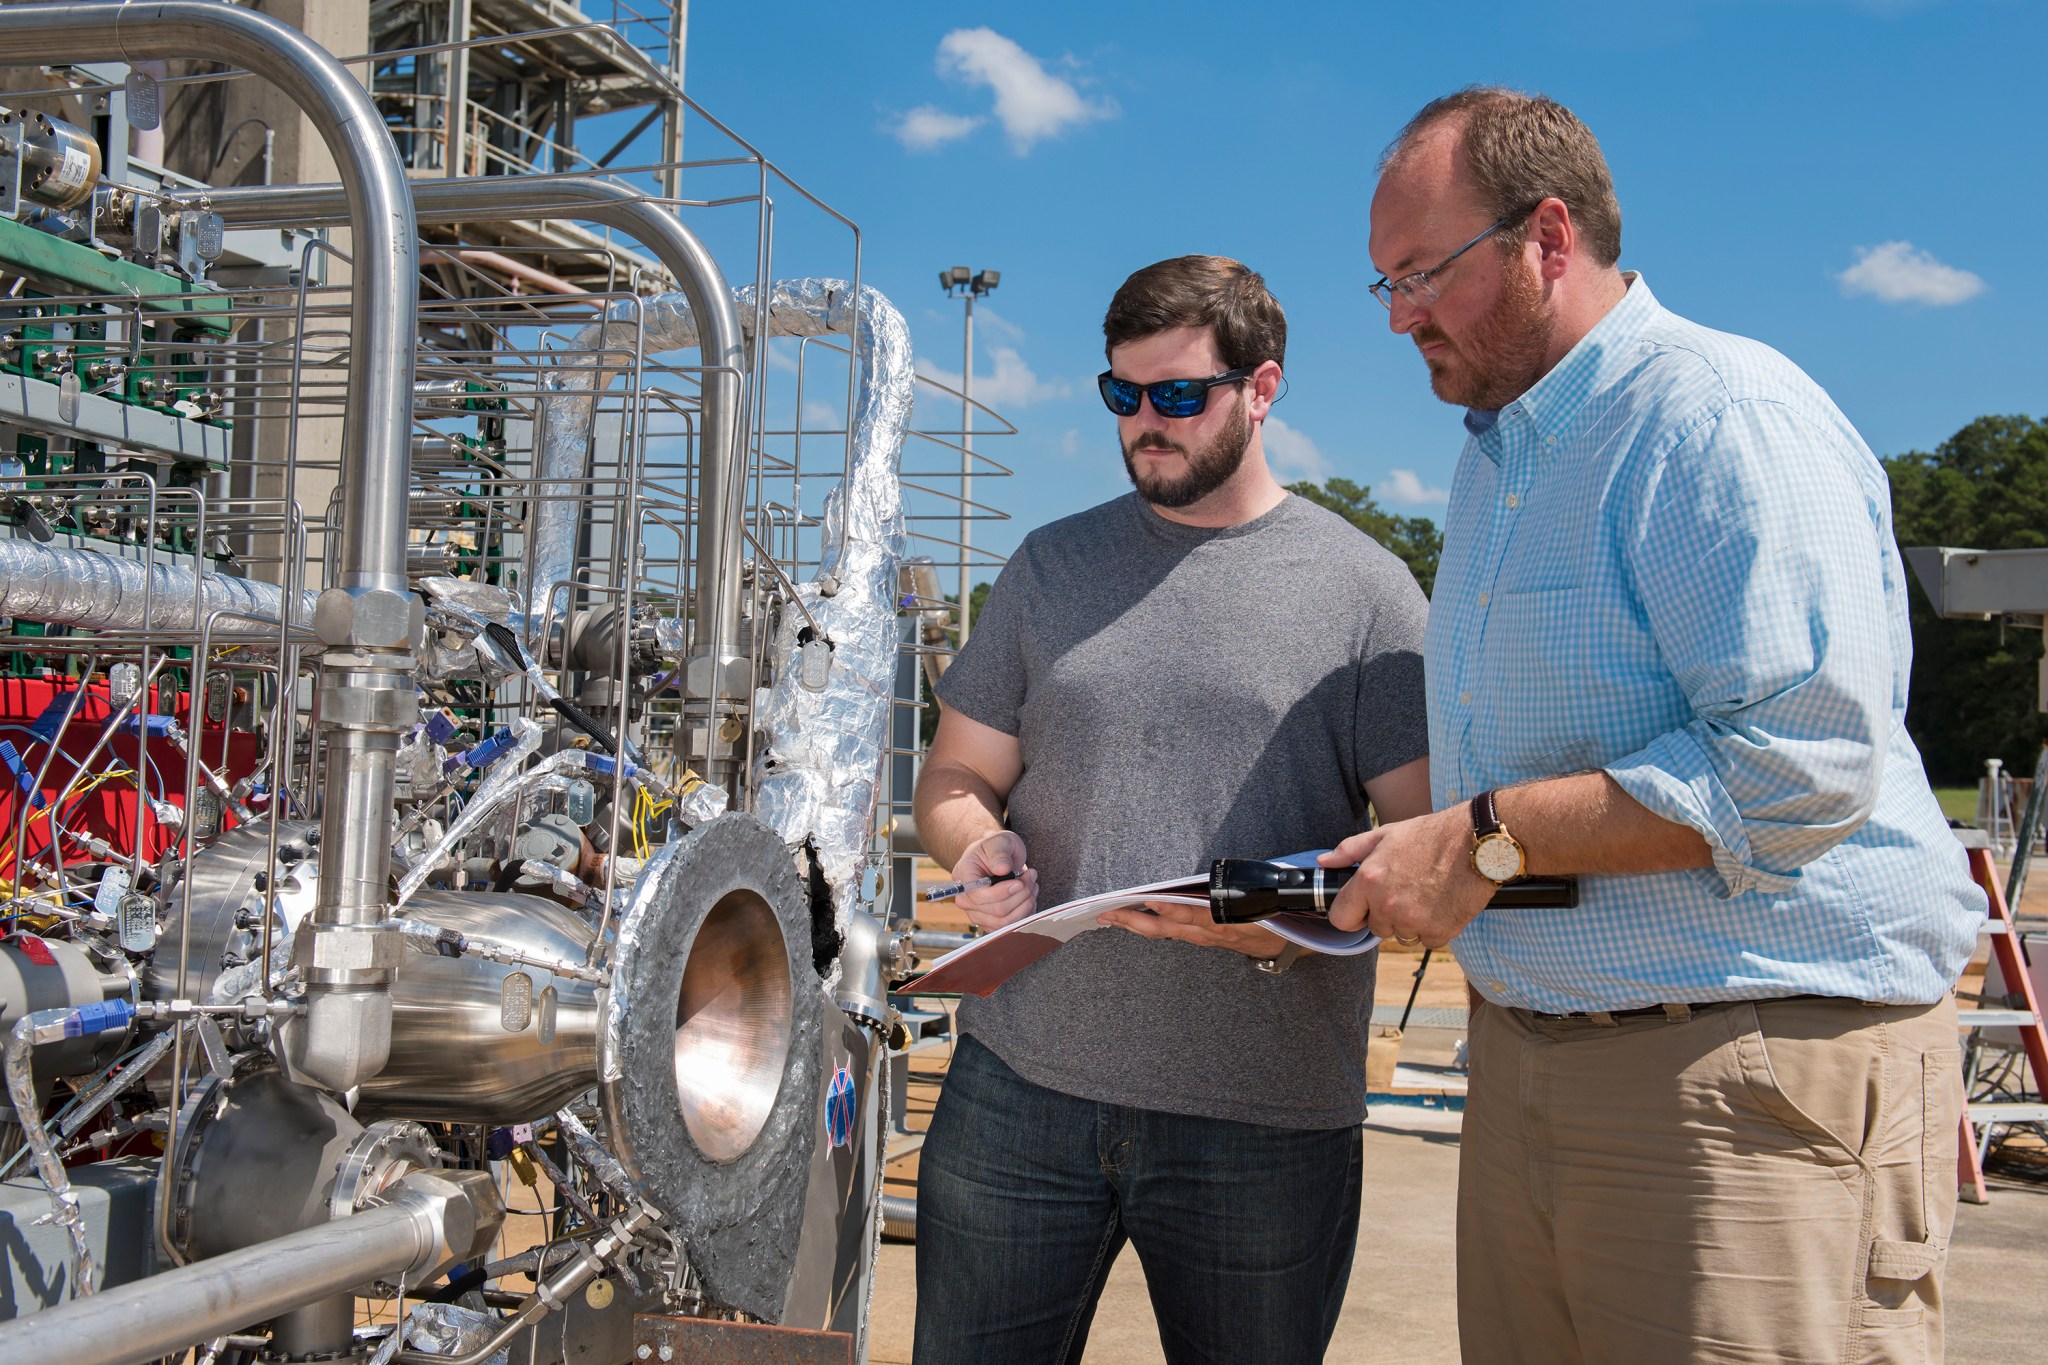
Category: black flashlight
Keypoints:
(1245, 889)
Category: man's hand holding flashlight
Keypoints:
(1415, 880)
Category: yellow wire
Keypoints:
(7, 848)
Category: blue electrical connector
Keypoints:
(490, 751)
(44, 727)
(606, 764)
(442, 727)
(23, 778)
(108, 1016)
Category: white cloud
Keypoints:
(928, 127)
(996, 324)
(1899, 272)
(1031, 103)
(1011, 384)
(823, 417)
(1070, 442)
(1292, 455)
(1405, 487)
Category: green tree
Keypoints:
(1415, 540)
(1974, 690)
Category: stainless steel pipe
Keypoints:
(939, 940)
(365, 619)
(720, 341)
(899, 1217)
(431, 1220)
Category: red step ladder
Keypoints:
(2024, 1014)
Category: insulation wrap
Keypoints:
(821, 771)
(97, 591)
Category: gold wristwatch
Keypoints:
(1496, 854)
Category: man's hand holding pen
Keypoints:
(998, 855)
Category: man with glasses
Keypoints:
(1208, 666)
(1713, 1110)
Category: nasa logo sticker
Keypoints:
(839, 1108)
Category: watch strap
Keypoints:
(1485, 814)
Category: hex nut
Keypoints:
(349, 948)
(465, 1213)
(367, 618)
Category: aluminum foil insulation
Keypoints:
(96, 591)
(504, 778)
(21, 1089)
(821, 772)
(568, 412)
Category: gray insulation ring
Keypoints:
(741, 1219)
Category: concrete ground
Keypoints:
(1401, 1309)
(1401, 1306)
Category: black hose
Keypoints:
(587, 723)
(503, 637)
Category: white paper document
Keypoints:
(989, 961)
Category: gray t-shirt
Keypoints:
(1183, 694)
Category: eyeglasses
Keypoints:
(1170, 397)
(1419, 287)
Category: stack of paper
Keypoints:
(989, 961)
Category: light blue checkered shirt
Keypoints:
(1672, 559)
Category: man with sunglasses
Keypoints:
(1207, 666)
(1713, 1108)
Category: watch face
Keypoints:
(1498, 858)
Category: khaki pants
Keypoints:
(1747, 1182)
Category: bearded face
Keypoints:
(1494, 360)
(1199, 471)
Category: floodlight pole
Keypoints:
(971, 284)
(966, 469)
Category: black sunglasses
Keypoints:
(1170, 397)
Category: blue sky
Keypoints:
(1762, 150)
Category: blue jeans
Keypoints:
(1025, 1196)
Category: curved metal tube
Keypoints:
(377, 449)
(718, 336)
(379, 413)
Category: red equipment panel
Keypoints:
(110, 809)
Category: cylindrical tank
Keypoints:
(468, 1043)
(60, 163)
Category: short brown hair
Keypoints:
(1522, 149)
(1216, 292)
